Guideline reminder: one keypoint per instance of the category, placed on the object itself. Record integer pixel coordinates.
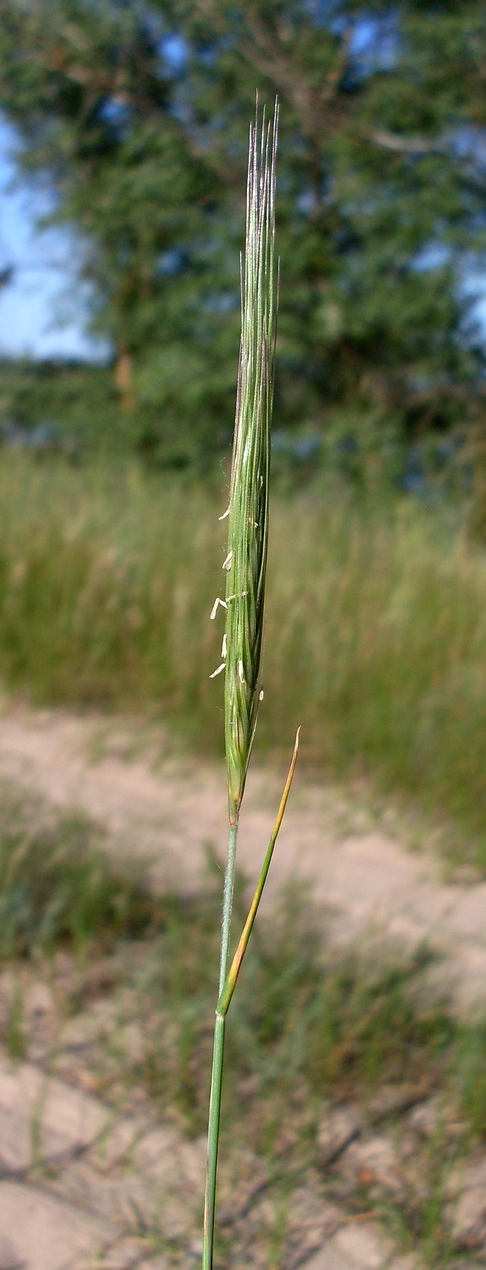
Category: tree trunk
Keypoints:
(124, 379)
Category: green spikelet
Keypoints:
(248, 510)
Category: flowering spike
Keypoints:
(248, 510)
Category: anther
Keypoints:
(218, 671)
(215, 608)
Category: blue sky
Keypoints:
(43, 312)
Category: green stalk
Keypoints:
(218, 1058)
(213, 1141)
(227, 984)
(229, 886)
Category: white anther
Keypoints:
(225, 514)
(218, 671)
(224, 646)
(229, 561)
(241, 676)
(215, 608)
(261, 694)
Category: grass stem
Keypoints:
(218, 1056)
(213, 1141)
(229, 885)
(227, 984)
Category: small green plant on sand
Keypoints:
(245, 567)
(58, 886)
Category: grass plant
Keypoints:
(245, 565)
(58, 886)
(375, 617)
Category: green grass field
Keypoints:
(375, 632)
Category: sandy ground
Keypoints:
(367, 884)
(84, 1183)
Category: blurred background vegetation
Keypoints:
(134, 115)
(137, 114)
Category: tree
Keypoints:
(138, 113)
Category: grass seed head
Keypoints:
(246, 558)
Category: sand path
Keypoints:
(367, 883)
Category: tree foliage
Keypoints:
(137, 112)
